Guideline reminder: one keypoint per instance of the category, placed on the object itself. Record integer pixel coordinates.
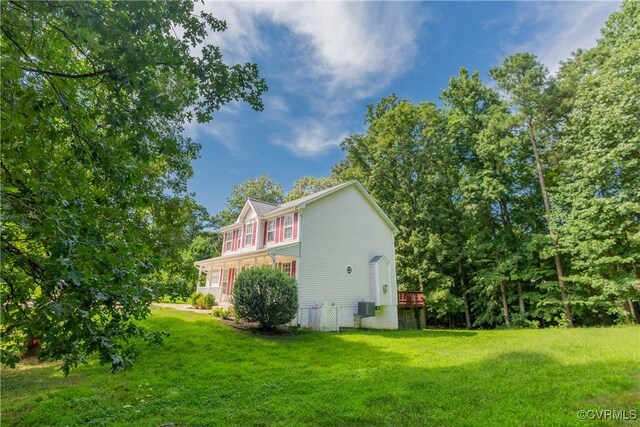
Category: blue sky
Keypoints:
(325, 62)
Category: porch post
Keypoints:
(198, 279)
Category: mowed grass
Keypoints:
(208, 373)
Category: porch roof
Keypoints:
(271, 251)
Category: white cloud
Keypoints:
(353, 44)
(341, 53)
(310, 139)
(566, 27)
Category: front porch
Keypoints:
(221, 272)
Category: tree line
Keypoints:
(518, 199)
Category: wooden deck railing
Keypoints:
(410, 299)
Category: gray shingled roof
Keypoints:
(262, 208)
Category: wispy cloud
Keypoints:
(310, 139)
(563, 27)
(338, 53)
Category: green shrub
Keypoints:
(219, 312)
(202, 301)
(209, 301)
(194, 296)
(265, 295)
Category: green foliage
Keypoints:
(517, 206)
(265, 295)
(310, 184)
(261, 188)
(202, 301)
(222, 313)
(177, 277)
(209, 301)
(95, 165)
(513, 377)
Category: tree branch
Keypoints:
(68, 76)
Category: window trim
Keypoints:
(239, 239)
(248, 234)
(285, 227)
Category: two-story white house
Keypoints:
(337, 243)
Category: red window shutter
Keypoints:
(279, 266)
(295, 225)
(266, 226)
(281, 228)
(293, 268)
(255, 231)
(232, 278)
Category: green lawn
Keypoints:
(208, 373)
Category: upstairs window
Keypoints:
(271, 231)
(248, 235)
(228, 237)
(288, 227)
(239, 239)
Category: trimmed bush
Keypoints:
(265, 295)
(219, 312)
(194, 296)
(202, 301)
(209, 301)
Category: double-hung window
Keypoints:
(271, 231)
(248, 235)
(239, 239)
(288, 227)
(286, 268)
(228, 241)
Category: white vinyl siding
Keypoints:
(337, 231)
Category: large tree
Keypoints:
(533, 94)
(599, 191)
(95, 164)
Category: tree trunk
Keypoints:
(467, 315)
(632, 310)
(505, 305)
(523, 309)
(554, 239)
(504, 212)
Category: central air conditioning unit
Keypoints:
(366, 308)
